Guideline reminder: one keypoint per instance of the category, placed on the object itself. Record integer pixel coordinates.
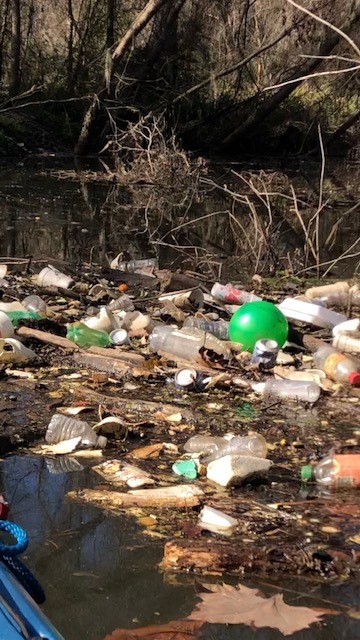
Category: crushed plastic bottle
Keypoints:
(84, 337)
(186, 344)
(62, 428)
(335, 471)
(337, 366)
(18, 316)
(214, 447)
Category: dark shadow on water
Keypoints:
(100, 571)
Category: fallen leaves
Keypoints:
(177, 630)
(225, 604)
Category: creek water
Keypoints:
(100, 572)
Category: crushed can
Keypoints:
(191, 380)
(265, 353)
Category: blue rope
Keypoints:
(8, 553)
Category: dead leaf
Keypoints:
(225, 604)
(151, 451)
(177, 630)
(74, 411)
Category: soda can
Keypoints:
(265, 353)
(191, 380)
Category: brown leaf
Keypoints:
(224, 604)
(150, 451)
(177, 630)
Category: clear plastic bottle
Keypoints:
(337, 366)
(229, 293)
(133, 266)
(336, 471)
(339, 294)
(62, 428)
(123, 303)
(217, 328)
(186, 343)
(215, 447)
(292, 389)
(84, 337)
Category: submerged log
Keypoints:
(177, 496)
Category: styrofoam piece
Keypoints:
(233, 470)
(310, 313)
(214, 517)
(104, 321)
(350, 326)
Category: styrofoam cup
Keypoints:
(6, 326)
(51, 277)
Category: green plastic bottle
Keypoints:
(17, 316)
(257, 321)
(83, 336)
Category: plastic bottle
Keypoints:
(186, 343)
(203, 444)
(336, 471)
(133, 266)
(62, 428)
(229, 293)
(291, 389)
(217, 328)
(123, 303)
(252, 445)
(17, 316)
(337, 366)
(339, 294)
(84, 337)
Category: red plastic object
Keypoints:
(4, 508)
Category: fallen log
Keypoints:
(176, 496)
(49, 338)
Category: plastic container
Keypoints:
(337, 366)
(84, 337)
(256, 321)
(103, 321)
(251, 445)
(347, 327)
(233, 470)
(296, 309)
(340, 288)
(51, 277)
(336, 471)
(6, 326)
(203, 444)
(190, 298)
(347, 343)
(62, 428)
(265, 353)
(11, 350)
(217, 328)
(35, 303)
(290, 389)
(186, 344)
(123, 303)
(229, 293)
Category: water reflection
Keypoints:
(46, 215)
(100, 572)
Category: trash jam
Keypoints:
(193, 402)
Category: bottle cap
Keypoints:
(354, 378)
(307, 472)
(101, 442)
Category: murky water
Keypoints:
(100, 572)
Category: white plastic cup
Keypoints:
(34, 303)
(12, 350)
(6, 326)
(51, 277)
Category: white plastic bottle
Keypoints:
(62, 428)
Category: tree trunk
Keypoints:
(270, 104)
(15, 48)
(85, 127)
(4, 27)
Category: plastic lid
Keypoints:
(307, 472)
(354, 378)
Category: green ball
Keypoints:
(256, 321)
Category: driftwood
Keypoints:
(49, 338)
(181, 496)
(130, 405)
